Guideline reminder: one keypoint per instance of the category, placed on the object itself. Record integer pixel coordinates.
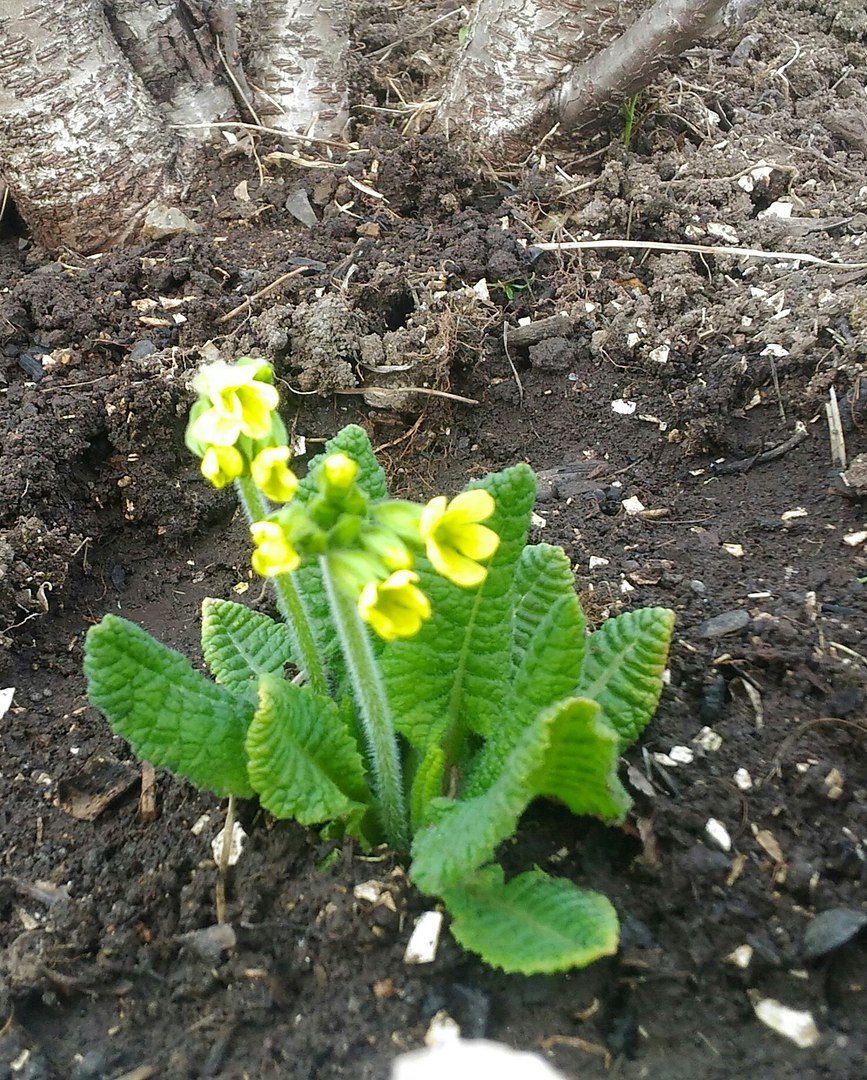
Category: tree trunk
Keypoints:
(498, 93)
(531, 64)
(84, 147)
(174, 50)
(298, 52)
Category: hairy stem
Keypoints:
(373, 705)
(289, 601)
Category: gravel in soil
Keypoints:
(674, 405)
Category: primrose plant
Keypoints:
(442, 676)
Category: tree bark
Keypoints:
(498, 93)
(171, 45)
(84, 147)
(298, 52)
(531, 64)
(630, 62)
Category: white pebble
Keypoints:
(719, 834)
(236, 845)
(743, 780)
(424, 939)
(793, 1024)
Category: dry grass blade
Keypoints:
(700, 249)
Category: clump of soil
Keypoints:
(674, 405)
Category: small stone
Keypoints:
(740, 957)
(793, 1024)
(856, 475)
(719, 834)
(6, 697)
(708, 740)
(142, 348)
(728, 622)
(236, 845)
(163, 221)
(460, 1058)
(298, 205)
(424, 940)
(743, 780)
(211, 942)
(831, 929)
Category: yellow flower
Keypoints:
(221, 465)
(241, 403)
(455, 541)
(272, 474)
(396, 607)
(338, 473)
(274, 554)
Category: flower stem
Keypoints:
(375, 712)
(289, 601)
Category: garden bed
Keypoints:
(675, 409)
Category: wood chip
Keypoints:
(147, 802)
(768, 843)
(101, 780)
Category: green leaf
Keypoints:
(427, 784)
(568, 752)
(535, 924)
(303, 762)
(170, 713)
(580, 763)
(546, 674)
(543, 577)
(452, 677)
(354, 442)
(240, 644)
(623, 666)
(551, 664)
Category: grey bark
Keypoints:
(298, 52)
(631, 62)
(531, 64)
(84, 147)
(499, 87)
(172, 47)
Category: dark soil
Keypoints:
(103, 968)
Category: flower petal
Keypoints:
(470, 506)
(272, 474)
(216, 427)
(432, 515)
(454, 566)
(475, 541)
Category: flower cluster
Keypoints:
(370, 545)
(235, 429)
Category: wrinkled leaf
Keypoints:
(567, 752)
(303, 762)
(623, 666)
(543, 577)
(535, 924)
(240, 644)
(452, 677)
(170, 713)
